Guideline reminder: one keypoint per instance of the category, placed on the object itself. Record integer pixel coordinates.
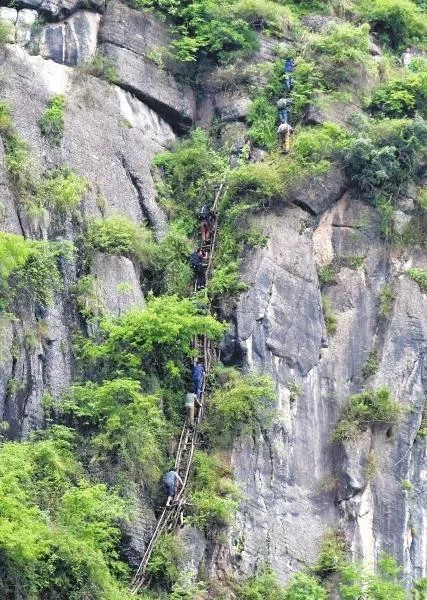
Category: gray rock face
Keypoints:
(318, 194)
(133, 39)
(57, 9)
(296, 482)
(72, 42)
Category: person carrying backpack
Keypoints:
(190, 401)
(284, 111)
(289, 68)
(206, 220)
(171, 481)
(198, 264)
(198, 376)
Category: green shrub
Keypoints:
(205, 25)
(213, 493)
(332, 554)
(312, 144)
(309, 81)
(238, 404)
(420, 277)
(20, 166)
(155, 340)
(329, 316)
(51, 122)
(263, 586)
(342, 51)
(385, 584)
(164, 562)
(28, 270)
(262, 119)
(371, 406)
(119, 235)
(6, 123)
(62, 190)
(305, 587)
(130, 428)
(275, 18)
(387, 297)
(58, 532)
(327, 275)
(103, 67)
(371, 365)
(6, 29)
(401, 97)
(398, 23)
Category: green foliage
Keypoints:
(61, 190)
(58, 532)
(28, 270)
(193, 168)
(384, 585)
(262, 119)
(332, 554)
(305, 587)
(420, 277)
(156, 339)
(312, 144)
(385, 160)
(209, 26)
(371, 365)
(213, 493)
(239, 403)
(6, 123)
(329, 316)
(164, 562)
(274, 17)
(368, 407)
(103, 67)
(342, 51)
(5, 31)
(263, 586)
(130, 427)
(119, 235)
(19, 165)
(327, 275)
(398, 23)
(387, 297)
(51, 122)
(401, 97)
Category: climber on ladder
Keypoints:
(207, 221)
(190, 401)
(284, 131)
(289, 68)
(284, 110)
(198, 262)
(198, 376)
(172, 480)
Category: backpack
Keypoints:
(194, 259)
(205, 212)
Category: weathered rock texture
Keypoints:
(295, 482)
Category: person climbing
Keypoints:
(198, 264)
(407, 57)
(289, 68)
(284, 111)
(190, 401)
(207, 220)
(171, 481)
(198, 376)
(284, 131)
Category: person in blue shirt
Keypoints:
(198, 375)
(289, 68)
(171, 481)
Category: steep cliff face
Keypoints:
(295, 481)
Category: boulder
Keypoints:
(24, 25)
(133, 40)
(72, 42)
(321, 192)
(232, 107)
(9, 15)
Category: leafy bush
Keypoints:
(327, 275)
(274, 18)
(205, 25)
(19, 165)
(401, 97)
(371, 365)
(342, 50)
(262, 119)
(332, 554)
(151, 340)
(355, 581)
(384, 161)
(164, 562)
(6, 29)
(312, 144)
(213, 493)
(61, 190)
(103, 67)
(28, 270)
(58, 532)
(263, 586)
(305, 587)
(6, 123)
(387, 297)
(398, 23)
(238, 403)
(51, 122)
(329, 316)
(130, 427)
(371, 406)
(119, 235)
(420, 277)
